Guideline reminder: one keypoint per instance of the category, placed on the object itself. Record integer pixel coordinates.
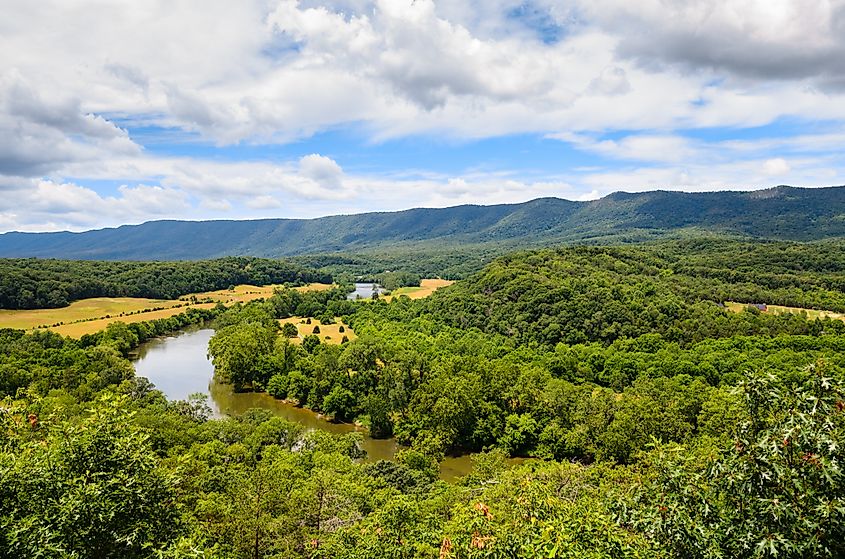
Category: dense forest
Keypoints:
(783, 212)
(31, 283)
(655, 422)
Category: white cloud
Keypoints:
(322, 170)
(274, 71)
(776, 167)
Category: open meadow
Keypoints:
(87, 316)
(329, 333)
(811, 314)
(426, 288)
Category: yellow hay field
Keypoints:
(426, 288)
(329, 333)
(812, 314)
(88, 316)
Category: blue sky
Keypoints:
(128, 112)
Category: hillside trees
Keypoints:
(90, 489)
(777, 491)
(30, 283)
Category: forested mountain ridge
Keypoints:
(778, 213)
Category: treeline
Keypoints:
(44, 361)
(110, 468)
(34, 283)
(580, 294)
(451, 262)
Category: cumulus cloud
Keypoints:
(38, 134)
(760, 39)
(46, 205)
(776, 167)
(622, 82)
(323, 170)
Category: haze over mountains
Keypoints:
(786, 213)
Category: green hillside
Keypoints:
(779, 213)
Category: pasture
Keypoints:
(84, 309)
(426, 288)
(811, 314)
(88, 316)
(329, 333)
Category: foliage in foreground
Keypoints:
(126, 477)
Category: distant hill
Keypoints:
(786, 213)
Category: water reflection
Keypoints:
(178, 365)
(232, 403)
(365, 291)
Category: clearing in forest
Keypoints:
(84, 309)
(88, 316)
(329, 333)
(812, 314)
(426, 288)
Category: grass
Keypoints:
(88, 316)
(79, 329)
(84, 309)
(329, 333)
(812, 314)
(426, 288)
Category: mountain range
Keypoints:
(783, 212)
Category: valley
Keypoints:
(598, 369)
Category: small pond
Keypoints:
(178, 365)
(365, 291)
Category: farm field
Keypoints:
(87, 316)
(84, 309)
(426, 288)
(329, 333)
(812, 314)
(79, 329)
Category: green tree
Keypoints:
(237, 350)
(339, 404)
(777, 491)
(89, 489)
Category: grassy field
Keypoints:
(79, 329)
(426, 288)
(92, 315)
(329, 333)
(812, 314)
(84, 309)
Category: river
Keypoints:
(178, 365)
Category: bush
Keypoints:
(277, 387)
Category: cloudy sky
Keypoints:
(118, 111)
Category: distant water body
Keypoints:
(365, 291)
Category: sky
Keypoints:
(115, 112)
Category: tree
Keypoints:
(237, 350)
(316, 330)
(277, 387)
(310, 343)
(289, 330)
(339, 404)
(777, 491)
(89, 489)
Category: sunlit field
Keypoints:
(329, 333)
(87, 316)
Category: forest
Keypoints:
(645, 418)
(30, 283)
